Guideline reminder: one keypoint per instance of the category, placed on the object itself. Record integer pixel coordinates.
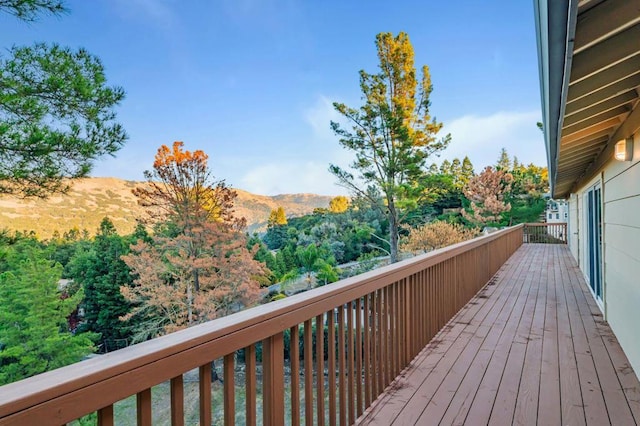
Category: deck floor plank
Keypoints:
(464, 396)
(612, 391)
(438, 356)
(482, 405)
(549, 410)
(572, 406)
(526, 409)
(506, 398)
(530, 349)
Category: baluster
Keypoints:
(308, 373)
(368, 383)
(105, 416)
(342, 398)
(359, 357)
(320, 368)
(250, 384)
(294, 358)
(177, 401)
(205, 394)
(350, 366)
(331, 349)
(143, 405)
(273, 380)
(229, 390)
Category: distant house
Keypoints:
(589, 63)
(557, 211)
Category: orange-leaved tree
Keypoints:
(181, 188)
(197, 266)
(486, 193)
(435, 235)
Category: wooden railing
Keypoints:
(547, 233)
(346, 343)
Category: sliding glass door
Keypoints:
(593, 210)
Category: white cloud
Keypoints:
(319, 116)
(288, 177)
(482, 137)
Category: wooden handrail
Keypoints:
(400, 317)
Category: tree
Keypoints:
(277, 217)
(392, 134)
(445, 167)
(56, 118)
(435, 235)
(467, 168)
(486, 193)
(198, 266)
(101, 272)
(339, 204)
(456, 168)
(177, 287)
(34, 334)
(28, 10)
(307, 257)
(182, 190)
(326, 273)
(504, 162)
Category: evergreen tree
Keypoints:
(467, 169)
(456, 168)
(28, 10)
(445, 167)
(34, 333)
(101, 272)
(392, 134)
(504, 162)
(56, 118)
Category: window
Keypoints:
(550, 216)
(557, 215)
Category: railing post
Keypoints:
(273, 380)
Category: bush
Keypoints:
(435, 235)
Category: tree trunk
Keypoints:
(393, 233)
(189, 305)
(196, 280)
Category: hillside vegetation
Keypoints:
(91, 199)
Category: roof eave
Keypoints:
(555, 30)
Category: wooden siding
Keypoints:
(621, 217)
(530, 348)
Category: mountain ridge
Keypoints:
(91, 199)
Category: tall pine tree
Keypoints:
(392, 134)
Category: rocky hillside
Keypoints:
(92, 199)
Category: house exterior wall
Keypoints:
(573, 227)
(620, 182)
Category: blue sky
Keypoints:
(251, 82)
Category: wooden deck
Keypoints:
(530, 348)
